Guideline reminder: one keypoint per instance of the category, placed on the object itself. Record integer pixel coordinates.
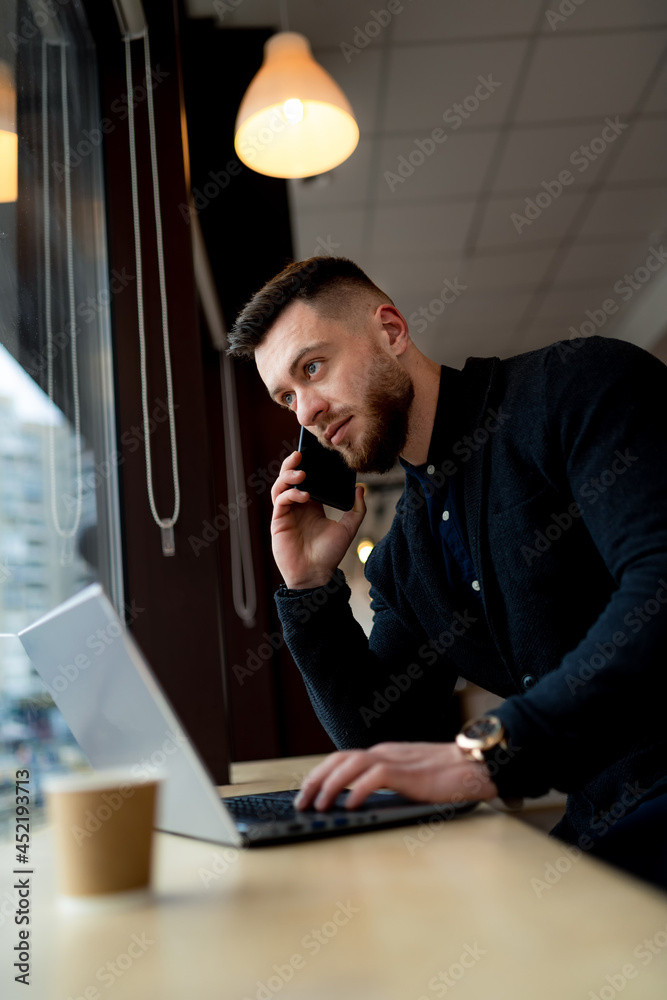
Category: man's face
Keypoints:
(344, 384)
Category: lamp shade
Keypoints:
(294, 120)
(9, 143)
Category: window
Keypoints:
(59, 519)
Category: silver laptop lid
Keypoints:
(119, 715)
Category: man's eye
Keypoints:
(311, 365)
(288, 398)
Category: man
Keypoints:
(528, 554)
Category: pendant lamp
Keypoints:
(9, 140)
(294, 120)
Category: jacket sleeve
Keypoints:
(389, 686)
(606, 429)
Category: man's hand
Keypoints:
(427, 772)
(308, 545)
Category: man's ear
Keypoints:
(394, 327)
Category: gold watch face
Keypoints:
(481, 733)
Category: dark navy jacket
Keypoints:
(562, 453)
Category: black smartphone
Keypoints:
(328, 478)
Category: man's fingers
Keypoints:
(283, 502)
(289, 475)
(313, 782)
(352, 518)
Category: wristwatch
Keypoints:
(480, 737)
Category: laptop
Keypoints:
(120, 717)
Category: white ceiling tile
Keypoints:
(490, 307)
(506, 270)
(643, 210)
(359, 81)
(587, 262)
(338, 23)
(334, 231)
(644, 153)
(400, 276)
(420, 230)
(324, 24)
(564, 306)
(425, 82)
(532, 156)
(433, 20)
(452, 345)
(345, 185)
(657, 100)
(433, 170)
(553, 222)
(575, 77)
(600, 14)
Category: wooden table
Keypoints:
(483, 907)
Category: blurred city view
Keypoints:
(34, 576)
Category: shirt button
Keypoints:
(445, 515)
(430, 469)
(475, 585)
(528, 680)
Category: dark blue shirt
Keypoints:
(444, 492)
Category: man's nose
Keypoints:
(311, 406)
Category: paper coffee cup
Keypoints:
(103, 826)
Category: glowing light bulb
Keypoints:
(364, 549)
(293, 110)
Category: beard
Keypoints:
(388, 396)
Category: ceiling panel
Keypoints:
(644, 153)
(643, 210)
(604, 14)
(506, 270)
(412, 172)
(415, 231)
(532, 156)
(433, 20)
(573, 77)
(444, 75)
(552, 223)
(588, 262)
(335, 232)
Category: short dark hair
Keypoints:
(328, 281)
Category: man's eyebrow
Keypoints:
(295, 363)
